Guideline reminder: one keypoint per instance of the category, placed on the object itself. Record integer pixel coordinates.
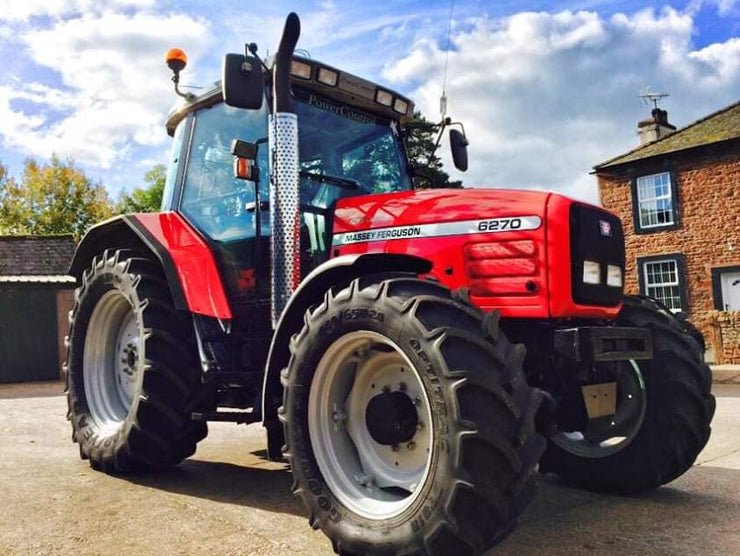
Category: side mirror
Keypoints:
(459, 147)
(242, 85)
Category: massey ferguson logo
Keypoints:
(605, 228)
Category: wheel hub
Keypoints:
(370, 423)
(112, 361)
(391, 418)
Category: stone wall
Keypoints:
(725, 329)
(708, 182)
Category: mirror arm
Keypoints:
(251, 48)
(442, 125)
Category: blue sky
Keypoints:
(545, 89)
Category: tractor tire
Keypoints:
(131, 370)
(678, 411)
(466, 444)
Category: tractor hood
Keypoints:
(435, 206)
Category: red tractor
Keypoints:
(415, 355)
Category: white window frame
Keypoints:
(654, 199)
(676, 283)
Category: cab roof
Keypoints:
(348, 88)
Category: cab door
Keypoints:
(226, 210)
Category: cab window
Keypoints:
(219, 204)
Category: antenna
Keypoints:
(649, 96)
(443, 98)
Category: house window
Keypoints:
(662, 277)
(654, 202)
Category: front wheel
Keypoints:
(663, 413)
(408, 422)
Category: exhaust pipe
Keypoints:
(284, 194)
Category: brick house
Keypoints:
(678, 195)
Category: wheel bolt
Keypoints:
(419, 425)
(386, 388)
(395, 447)
(364, 479)
(411, 445)
(417, 400)
(402, 386)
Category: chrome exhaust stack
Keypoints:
(284, 191)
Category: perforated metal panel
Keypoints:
(284, 210)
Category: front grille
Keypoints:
(595, 235)
(502, 268)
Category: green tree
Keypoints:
(54, 198)
(12, 208)
(421, 134)
(147, 198)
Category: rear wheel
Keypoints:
(132, 378)
(408, 423)
(662, 420)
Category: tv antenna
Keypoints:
(649, 96)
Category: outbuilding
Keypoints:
(36, 294)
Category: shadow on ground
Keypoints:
(251, 486)
(563, 518)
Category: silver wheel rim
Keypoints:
(111, 361)
(373, 480)
(631, 409)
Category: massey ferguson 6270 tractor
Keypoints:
(415, 355)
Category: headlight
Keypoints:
(591, 272)
(614, 276)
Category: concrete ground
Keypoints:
(227, 500)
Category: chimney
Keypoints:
(654, 127)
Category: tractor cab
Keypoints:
(349, 144)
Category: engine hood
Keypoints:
(434, 206)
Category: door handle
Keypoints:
(249, 207)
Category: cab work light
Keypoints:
(327, 77)
(384, 98)
(299, 69)
(401, 106)
(591, 272)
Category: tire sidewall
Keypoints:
(106, 275)
(385, 317)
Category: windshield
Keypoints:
(345, 151)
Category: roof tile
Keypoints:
(722, 125)
(35, 255)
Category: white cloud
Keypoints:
(544, 97)
(116, 89)
(21, 10)
(724, 7)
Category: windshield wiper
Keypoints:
(347, 183)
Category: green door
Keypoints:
(28, 335)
